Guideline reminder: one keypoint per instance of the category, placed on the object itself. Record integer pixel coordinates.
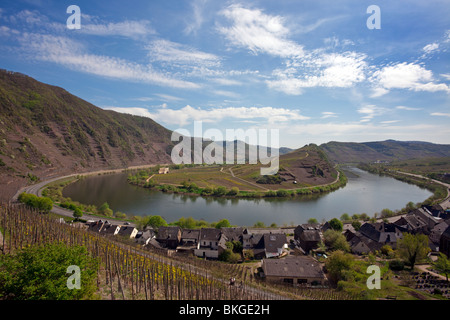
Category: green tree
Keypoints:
(312, 221)
(442, 264)
(259, 224)
(337, 265)
(44, 204)
(345, 217)
(39, 273)
(335, 240)
(356, 225)
(413, 248)
(224, 223)
(220, 191)
(105, 210)
(155, 222)
(233, 191)
(77, 213)
(336, 224)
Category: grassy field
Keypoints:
(302, 168)
(204, 177)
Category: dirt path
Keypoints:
(423, 268)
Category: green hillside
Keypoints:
(46, 131)
(389, 150)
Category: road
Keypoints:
(446, 202)
(37, 188)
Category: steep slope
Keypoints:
(389, 150)
(46, 131)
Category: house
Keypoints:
(425, 215)
(128, 232)
(444, 244)
(412, 224)
(210, 243)
(250, 240)
(298, 270)
(436, 233)
(169, 237)
(110, 229)
(189, 240)
(163, 170)
(360, 244)
(144, 237)
(437, 211)
(308, 235)
(96, 226)
(271, 245)
(372, 236)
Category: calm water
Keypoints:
(365, 192)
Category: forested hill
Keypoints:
(46, 131)
(389, 150)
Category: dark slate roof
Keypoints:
(298, 267)
(109, 228)
(233, 234)
(310, 235)
(446, 233)
(274, 241)
(381, 232)
(210, 234)
(190, 234)
(410, 223)
(125, 230)
(168, 233)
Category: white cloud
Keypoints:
(188, 114)
(260, 33)
(125, 28)
(71, 54)
(168, 97)
(431, 47)
(407, 108)
(389, 121)
(328, 114)
(320, 70)
(405, 76)
(171, 52)
(440, 114)
(197, 17)
(370, 111)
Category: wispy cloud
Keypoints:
(73, 55)
(171, 52)
(440, 114)
(188, 114)
(407, 108)
(258, 32)
(128, 28)
(328, 114)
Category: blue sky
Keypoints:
(311, 68)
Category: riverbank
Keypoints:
(144, 179)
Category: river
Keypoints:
(364, 193)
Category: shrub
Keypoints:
(396, 265)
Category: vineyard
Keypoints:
(130, 272)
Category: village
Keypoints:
(293, 255)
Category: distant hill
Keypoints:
(389, 150)
(46, 131)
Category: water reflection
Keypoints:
(364, 193)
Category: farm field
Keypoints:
(305, 167)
